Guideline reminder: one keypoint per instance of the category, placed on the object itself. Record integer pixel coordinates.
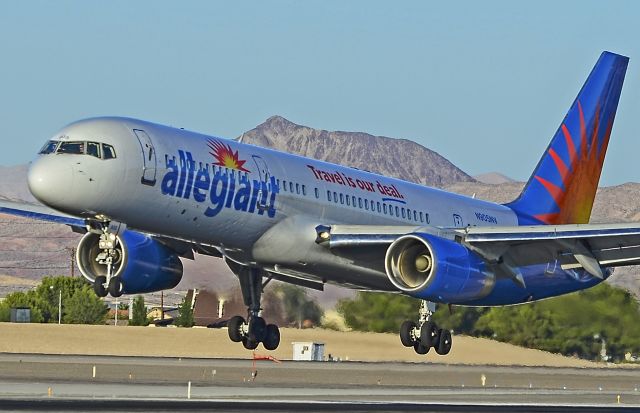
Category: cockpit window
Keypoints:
(108, 151)
(71, 147)
(49, 147)
(93, 149)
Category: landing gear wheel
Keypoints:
(98, 286)
(234, 326)
(444, 342)
(429, 334)
(419, 348)
(249, 344)
(405, 333)
(272, 337)
(115, 287)
(257, 329)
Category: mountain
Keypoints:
(14, 183)
(494, 178)
(399, 158)
(30, 249)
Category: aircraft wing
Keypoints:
(39, 212)
(589, 246)
(184, 248)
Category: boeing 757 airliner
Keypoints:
(147, 195)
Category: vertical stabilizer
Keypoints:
(564, 183)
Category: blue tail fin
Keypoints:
(564, 183)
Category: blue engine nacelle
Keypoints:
(436, 269)
(143, 264)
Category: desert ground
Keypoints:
(214, 343)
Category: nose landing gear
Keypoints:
(110, 256)
(254, 330)
(426, 334)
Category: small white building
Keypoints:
(308, 351)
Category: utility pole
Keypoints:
(162, 305)
(73, 261)
(60, 307)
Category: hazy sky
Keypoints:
(484, 83)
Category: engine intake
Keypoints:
(143, 264)
(437, 269)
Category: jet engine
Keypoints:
(143, 264)
(437, 269)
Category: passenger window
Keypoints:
(366, 204)
(341, 198)
(409, 214)
(353, 201)
(384, 208)
(415, 215)
(421, 217)
(397, 212)
(108, 152)
(290, 186)
(317, 193)
(329, 195)
(93, 149)
(348, 200)
(360, 203)
(426, 217)
(49, 147)
(278, 183)
(379, 207)
(76, 148)
(403, 213)
(335, 197)
(304, 190)
(284, 185)
(298, 189)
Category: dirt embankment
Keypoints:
(214, 343)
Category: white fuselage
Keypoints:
(207, 190)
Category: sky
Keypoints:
(484, 83)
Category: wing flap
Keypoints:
(588, 246)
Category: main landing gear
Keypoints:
(254, 330)
(426, 334)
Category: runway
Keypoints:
(46, 382)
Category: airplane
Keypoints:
(147, 195)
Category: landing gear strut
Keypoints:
(425, 334)
(110, 256)
(254, 330)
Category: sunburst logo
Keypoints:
(225, 156)
(580, 177)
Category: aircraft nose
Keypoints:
(50, 180)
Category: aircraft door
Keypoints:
(148, 158)
(265, 177)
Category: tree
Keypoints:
(298, 307)
(47, 295)
(79, 304)
(185, 314)
(138, 312)
(84, 307)
(379, 312)
(573, 324)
